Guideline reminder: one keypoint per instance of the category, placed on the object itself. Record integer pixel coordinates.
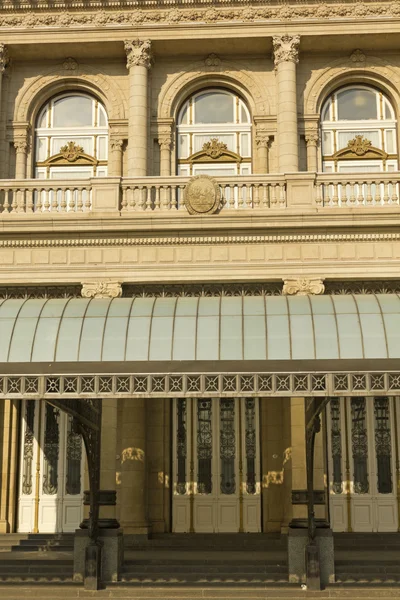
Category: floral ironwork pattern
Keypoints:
(181, 445)
(359, 440)
(74, 459)
(336, 440)
(383, 445)
(204, 446)
(227, 445)
(250, 444)
(28, 447)
(51, 449)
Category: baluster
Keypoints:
(231, 203)
(72, 193)
(265, 189)
(378, 190)
(181, 205)
(223, 188)
(386, 197)
(318, 194)
(394, 198)
(148, 203)
(177, 199)
(256, 196)
(157, 201)
(124, 203)
(369, 198)
(87, 196)
(360, 195)
(6, 204)
(132, 198)
(352, 197)
(335, 196)
(54, 200)
(46, 203)
(21, 200)
(240, 203)
(166, 197)
(79, 203)
(274, 200)
(142, 198)
(39, 200)
(14, 203)
(63, 200)
(282, 195)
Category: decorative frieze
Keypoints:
(148, 13)
(185, 384)
(286, 48)
(101, 289)
(303, 287)
(138, 53)
(4, 59)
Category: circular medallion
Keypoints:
(202, 195)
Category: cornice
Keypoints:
(121, 13)
(202, 240)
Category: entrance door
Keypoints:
(363, 441)
(51, 480)
(216, 465)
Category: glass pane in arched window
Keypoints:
(73, 111)
(356, 105)
(214, 107)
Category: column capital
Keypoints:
(165, 141)
(138, 53)
(312, 138)
(21, 146)
(263, 138)
(4, 59)
(286, 48)
(117, 144)
(303, 287)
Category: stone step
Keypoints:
(140, 592)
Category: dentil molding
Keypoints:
(206, 240)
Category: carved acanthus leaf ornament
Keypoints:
(286, 48)
(303, 287)
(4, 60)
(138, 53)
(352, 11)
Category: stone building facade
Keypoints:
(236, 163)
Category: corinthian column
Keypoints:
(286, 57)
(138, 53)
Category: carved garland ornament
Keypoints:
(323, 11)
(202, 195)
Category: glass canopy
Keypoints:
(219, 328)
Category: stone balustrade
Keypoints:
(297, 192)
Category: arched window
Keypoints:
(71, 138)
(358, 131)
(214, 135)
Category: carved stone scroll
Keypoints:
(303, 287)
(101, 289)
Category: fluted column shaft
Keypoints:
(286, 59)
(139, 58)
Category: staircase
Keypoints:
(367, 558)
(36, 558)
(199, 560)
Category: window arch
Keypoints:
(358, 128)
(71, 138)
(214, 134)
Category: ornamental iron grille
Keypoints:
(383, 445)
(51, 448)
(336, 440)
(204, 446)
(250, 445)
(28, 448)
(359, 441)
(227, 445)
(181, 445)
(74, 460)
